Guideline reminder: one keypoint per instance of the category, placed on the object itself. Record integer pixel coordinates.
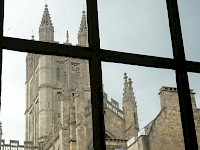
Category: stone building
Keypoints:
(165, 131)
(58, 107)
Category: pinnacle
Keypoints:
(83, 25)
(67, 41)
(46, 19)
(129, 81)
(32, 37)
(125, 76)
(125, 84)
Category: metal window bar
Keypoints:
(95, 55)
(182, 82)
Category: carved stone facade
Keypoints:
(58, 102)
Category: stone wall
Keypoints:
(114, 124)
(166, 130)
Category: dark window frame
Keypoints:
(95, 55)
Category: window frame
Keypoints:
(95, 55)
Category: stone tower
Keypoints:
(58, 102)
(45, 67)
(58, 89)
(130, 109)
(39, 83)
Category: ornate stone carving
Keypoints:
(75, 69)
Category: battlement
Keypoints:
(114, 106)
(169, 97)
(171, 89)
(14, 145)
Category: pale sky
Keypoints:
(136, 26)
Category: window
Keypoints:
(95, 55)
(58, 74)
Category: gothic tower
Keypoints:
(82, 33)
(58, 99)
(45, 91)
(130, 109)
(39, 85)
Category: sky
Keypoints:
(134, 26)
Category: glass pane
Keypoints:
(190, 22)
(141, 106)
(135, 26)
(48, 100)
(13, 96)
(194, 79)
(63, 16)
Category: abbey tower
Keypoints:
(58, 107)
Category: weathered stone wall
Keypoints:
(166, 131)
(114, 124)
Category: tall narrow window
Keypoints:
(58, 74)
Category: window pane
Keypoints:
(190, 21)
(138, 27)
(13, 96)
(47, 111)
(142, 107)
(64, 16)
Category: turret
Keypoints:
(82, 33)
(130, 109)
(45, 67)
(46, 30)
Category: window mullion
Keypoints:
(95, 77)
(187, 118)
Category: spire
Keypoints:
(32, 36)
(83, 25)
(82, 33)
(125, 85)
(130, 87)
(67, 41)
(46, 30)
(130, 109)
(46, 19)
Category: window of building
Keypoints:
(95, 55)
(58, 74)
